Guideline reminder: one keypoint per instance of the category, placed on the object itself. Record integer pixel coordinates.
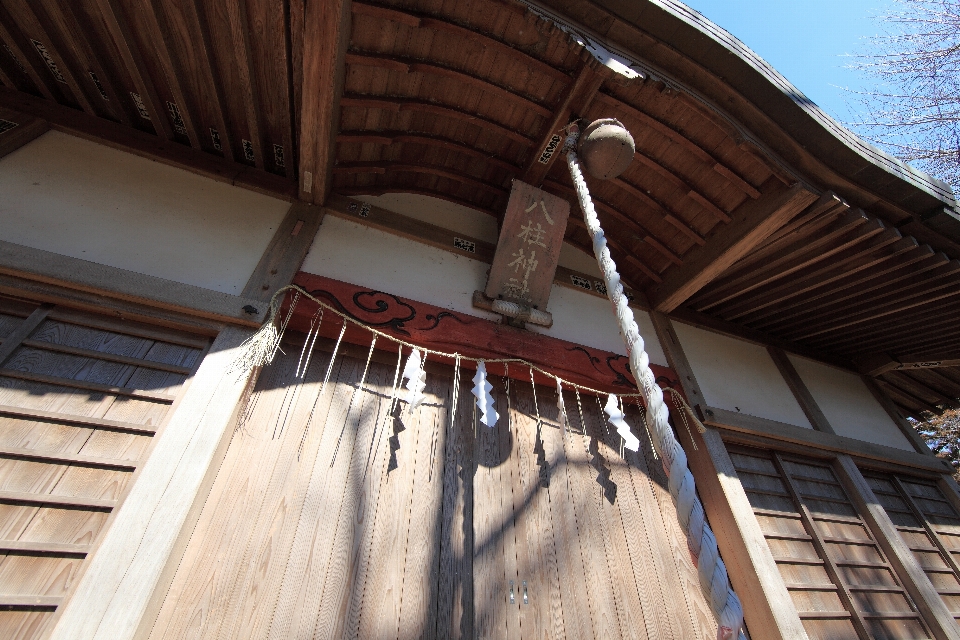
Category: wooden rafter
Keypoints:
(24, 13)
(621, 218)
(119, 29)
(406, 65)
(923, 258)
(237, 17)
(188, 20)
(753, 221)
(376, 166)
(62, 17)
(861, 258)
(424, 21)
(28, 63)
(325, 41)
(683, 141)
(663, 173)
(409, 104)
(158, 35)
(661, 209)
(149, 146)
(387, 138)
(848, 231)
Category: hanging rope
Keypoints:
(700, 539)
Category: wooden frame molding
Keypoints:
(766, 602)
(752, 222)
(113, 594)
(119, 284)
(747, 429)
(915, 581)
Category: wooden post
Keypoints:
(934, 611)
(767, 606)
(115, 590)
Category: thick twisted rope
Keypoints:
(700, 539)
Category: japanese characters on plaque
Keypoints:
(529, 247)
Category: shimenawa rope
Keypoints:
(700, 538)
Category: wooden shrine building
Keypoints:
(166, 166)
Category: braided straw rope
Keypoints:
(700, 539)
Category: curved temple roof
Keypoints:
(746, 207)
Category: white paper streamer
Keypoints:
(616, 418)
(482, 389)
(416, 379)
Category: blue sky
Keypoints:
(804, 40)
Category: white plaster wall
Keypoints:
(354, 253)
(739, 376)
(81, 199)
(848, 405)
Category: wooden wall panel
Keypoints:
(416, 529)
(930, 526)
(840, 580)
(80, 402)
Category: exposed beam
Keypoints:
(659, 208)
(800, 391)
(753, 221)
(143, 144)
(407, 65)
(387, 138)
(677, 182)
(326, 37)
(237, 17)
(283, 256)
(410, 104)
(119, 29)
(437, 24)
(785, 315)
(30, 25)
(27, 129)
(576, 101)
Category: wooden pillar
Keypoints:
(115, 590)
(934, 611)
(767, 606)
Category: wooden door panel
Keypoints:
(417, 526)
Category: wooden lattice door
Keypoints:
(82, 397)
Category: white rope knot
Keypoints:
(700, 539)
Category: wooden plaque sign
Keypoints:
(529, 247)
